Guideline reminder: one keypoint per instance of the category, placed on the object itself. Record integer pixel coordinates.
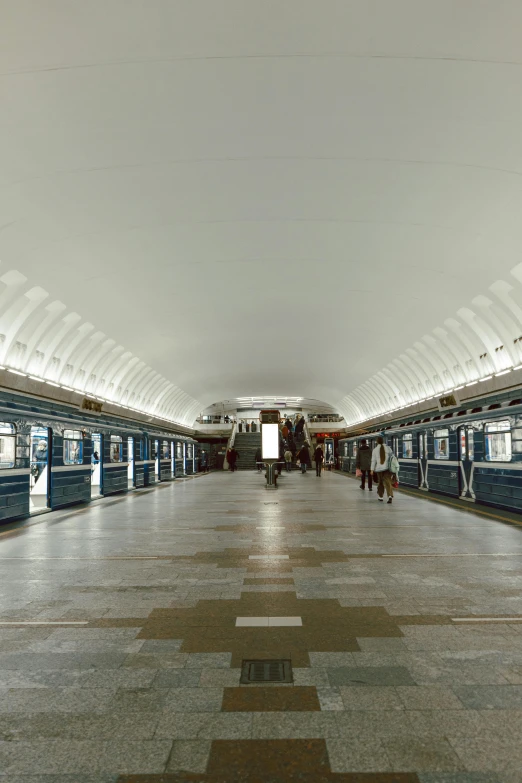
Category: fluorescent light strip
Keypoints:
(44, 622)
(504, 372)
(77, 391)
(486, 619)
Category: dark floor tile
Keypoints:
(271, 699)
(487, 697)
(268, 581)
(370, 675)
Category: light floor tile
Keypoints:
(293, 622)
(252, 622)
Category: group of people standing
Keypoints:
(380, 465)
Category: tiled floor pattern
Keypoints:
(387, 686)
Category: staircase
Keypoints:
(246, 444)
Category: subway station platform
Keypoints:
(125, 625)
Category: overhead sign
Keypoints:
(269, 417)
(93, 406)
(449, 401)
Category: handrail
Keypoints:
(232, 436)
(306, 431)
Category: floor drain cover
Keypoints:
(266, 671)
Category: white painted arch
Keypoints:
(209, 199)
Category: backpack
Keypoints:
(393, 464)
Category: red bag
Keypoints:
(358, 473)
(395, 483)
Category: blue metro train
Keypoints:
(473, 453)
(53, 455)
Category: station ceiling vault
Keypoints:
(207, 199)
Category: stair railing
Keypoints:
(232, 436)
(307, 435)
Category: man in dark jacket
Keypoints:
(304, 457)
(259, 459)
(318, 457)
(363, 462)
(232, 456)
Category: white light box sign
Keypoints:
(270, 441)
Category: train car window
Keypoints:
(462, 437)
(497, 441)
(7, 446)
(164, 449)
(354, 449)
(179, 451)
(441, 444)
(471, 443)
(72, 447)
(345, 449)
(421, 445)
(407, 446)
(189, 450)
(116, 448)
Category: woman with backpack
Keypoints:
(385, 467)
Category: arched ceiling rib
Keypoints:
(485, 341)
(41, 339)
(254, 196)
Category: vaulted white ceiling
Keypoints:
(255, 197)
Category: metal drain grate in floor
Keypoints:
(266, 671)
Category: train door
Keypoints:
(423, 459)
(328, 449)
(172, 459)
(184, 458)
(96, 465)
(466, 455)
(130, 462)
(39, 484)
(157, 457)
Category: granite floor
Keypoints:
(123, 627)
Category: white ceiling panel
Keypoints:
(259, 197)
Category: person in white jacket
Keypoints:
(381, 458)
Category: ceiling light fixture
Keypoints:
(487, 378)
(504, 372)
(17, 372)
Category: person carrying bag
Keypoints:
(385, 467)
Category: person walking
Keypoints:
(384, 465)
(288, 459)
(304, 457)
(299, 427)
(288, 424)
(363, 462)
(203, 462)
(285, 432)
(232, 456)
(318, 457)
